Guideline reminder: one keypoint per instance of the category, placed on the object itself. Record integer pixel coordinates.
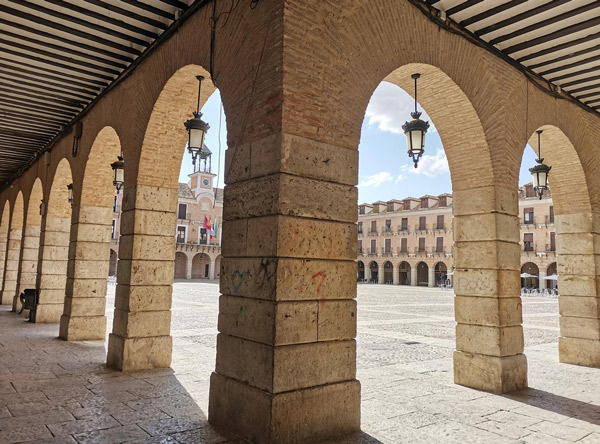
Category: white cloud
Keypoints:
(377, 179)
(390, 106)
(432, 165)
(400, 178)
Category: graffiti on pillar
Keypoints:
(479, 284)
(237, 279)
(268, 268)
(322, 276)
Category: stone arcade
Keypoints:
(295, 78)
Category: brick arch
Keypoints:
(33, 203)
(13, 250)
(181, 261)
(567, 177)
(58, 205)
(97, 187)
(4, 224)
(165, 136)
(456, 121)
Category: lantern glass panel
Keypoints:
(119, 175)
(196, 139)
(414, 140)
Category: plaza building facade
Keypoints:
(411, 241)
(198, 231)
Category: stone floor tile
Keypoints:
(172, 425)
(60, 383)
(514, 419)
(48, 417)
(119, 434)
(592, 438)
(24, 433)
(450, 431)
(542, 438)
(205, 435)
(129, 385)
(415, 420)
(108, 408)
(55, 440)
(83, 425)
(4, 413)
(500, 428)
(134, 416)
(561, 430)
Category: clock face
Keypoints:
(205, 182)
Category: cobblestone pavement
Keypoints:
(57, 392)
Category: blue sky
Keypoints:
(385, 170)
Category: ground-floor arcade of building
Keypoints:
(286, 348)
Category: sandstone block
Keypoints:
(143, 297)
(485, 200)
(486, 227)
(130, 354)
(152, 198)
(91, 233)
(147, 247)
(148, 222)
(142, 324)
(487, 340)
(85, 306)
(579, 307)
(140, 272)
(583, 328)
(490, 373)
(337, 320)
(487, 283)
(48, 313)
(82, 328)
(579, 351)
(499, 312)
(487, 255)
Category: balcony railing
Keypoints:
(371, 231)
(420, 227)
(387, 229)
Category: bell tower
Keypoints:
(201, 180)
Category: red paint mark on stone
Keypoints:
(321, 275)
(519, 305)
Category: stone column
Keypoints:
(367, 273)
(11, 265)
(52, 268)
(286, 354)
(413, 276)
(541, 280)
(140, 337)
(380, 274)
(84, 315)
(577, 244)
(211, 268)
(489, 336)
(396, 274)
(188, 269)
(29, 260)
(431, 276)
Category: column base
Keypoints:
(490, 373)
(579, 351)
(6, 298)
(16, 305)
(82, 328)
(48, 313)
(299, 416)
(139, 353)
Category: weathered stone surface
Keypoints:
(579, 351)
(490, 373)
(139, 353)
(82, 328)
(492, 311)
(488, 340)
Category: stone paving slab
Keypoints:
(52, 391)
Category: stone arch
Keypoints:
(440, 272)
(31, 239)
(54, 251)
(374, 272)
(531, 269)
(13, 251)
(200, 266)
(550, 271)
(4, 225)
(84, 315)
(388, 272)
(181, 261)
(422, 274)
(404, 270)
(112, 269)
(360, 271)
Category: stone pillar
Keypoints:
(577, 244)
(380, 274)
(11, 265)
(431, 276)
(211, 268)
(29, 261)
(286, 354)
(84, 315)
(489, 336)
(413, 276)
(188, 269)
(396, 274)
(541, 280)
(140, 337)
(368, 273)
(52, 268)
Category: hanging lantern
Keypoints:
(540, 172)
(118, 168)
(70, 195)
(196, 128)
(415, 131)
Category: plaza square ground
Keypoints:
(58, 392)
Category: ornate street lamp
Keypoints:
(118, 168)
(196, 128)
(540, 171)
(415, 131)
(70, 195)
